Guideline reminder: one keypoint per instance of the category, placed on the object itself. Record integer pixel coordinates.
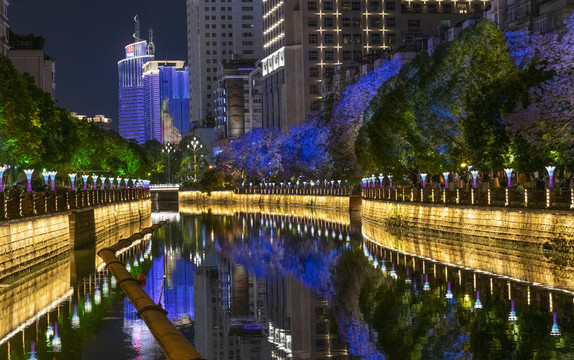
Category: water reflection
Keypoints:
(277, 285)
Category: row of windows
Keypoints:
(445, 8)
(223, 17)
(214, 35)
(374, 6)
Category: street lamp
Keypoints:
(194, 146)
(168, 148)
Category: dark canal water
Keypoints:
(253, 286)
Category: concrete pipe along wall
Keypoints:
(171, 341)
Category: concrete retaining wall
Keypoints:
(526, 229)
(29, 241)
(229, 197)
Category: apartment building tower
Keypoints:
(218, 31)
(307, 41)
(4, 27)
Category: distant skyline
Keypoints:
(87, 39)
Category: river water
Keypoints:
(275, 285)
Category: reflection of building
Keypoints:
(4, 27)
(27, 55)
(131, 117)
(166, 100)
(307, 42)
(237, 103)
(101, 121)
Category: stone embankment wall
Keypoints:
(506, 242)
(229, 197)
(29, 241)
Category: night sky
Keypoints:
(87, 39)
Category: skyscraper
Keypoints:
(131, 116)
(218, 32)
(166, 100)
(307, 41)
(4, 27)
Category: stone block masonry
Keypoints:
(27, 242)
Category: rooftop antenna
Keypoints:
(137, 33)
(150, 44)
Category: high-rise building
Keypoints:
(166, 100)
(4, 27)
(131, 116)
(307, 41)
(237, 102)
(529, 15)
(28, 56)
(218, 32)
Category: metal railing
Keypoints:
(549, 198)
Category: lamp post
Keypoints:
(194, 146)
(85, 180)
(29, 173)
(53, 180)
(423, 177)
(509, 175)
(550, 170)
(72, 181)
(168, 148)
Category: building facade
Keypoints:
(218, 32)
(131, 115)
(4, 27)
(307, 41)
(237, 102)
(530, 15)
(28, 56)
(101, 121)
(166, 100)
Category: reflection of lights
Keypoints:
(75, 318)
(348, 237)
(448, 292)
(97, 295)
(32, 351)
(375, 263)
(393, 272)
(88, 306)
(136, 263)
(319, 232)
(408, 278)
(105, 286)
(478, 304)
(383, 267)
(426, 286)
(512, 316)
(56, 342)
(49, 331)
(128, 267)
(555, 330)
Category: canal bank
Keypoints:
(27, 242)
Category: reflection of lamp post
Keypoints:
(168, 148)
(550, 170)
(555, 330)
(512, 316)
(194, 146)
(29, 173)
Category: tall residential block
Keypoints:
(237, 101)
(166, 100)
(28, 56)
(218, 31)
(131, 115)
(4, 27)
(308, 41)
(530, 15)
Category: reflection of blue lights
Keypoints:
(75, 318)
(252, 327)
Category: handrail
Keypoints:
(171, 341)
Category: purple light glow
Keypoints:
(424, 176)
(509, 175)
(85, 179)
(445, 175)
(550, 170)
(72, 180)
(29, 173)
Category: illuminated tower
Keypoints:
(166, 100)
(131, 117)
